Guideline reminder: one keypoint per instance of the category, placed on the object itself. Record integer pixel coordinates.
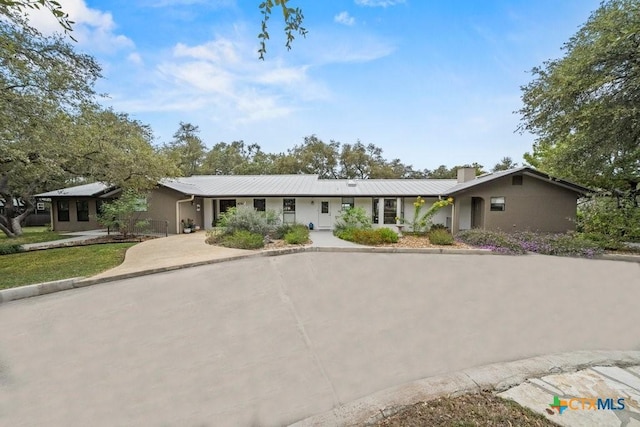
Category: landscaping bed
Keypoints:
(480, 409)
(422, 241)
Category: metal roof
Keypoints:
(304, 185)
(86, 190)
(525, 170)
(311, 185)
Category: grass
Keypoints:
(32, 235)
(55, 264)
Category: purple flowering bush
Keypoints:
(569, 244)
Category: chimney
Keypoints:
(466, 174)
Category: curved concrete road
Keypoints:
(270, 341)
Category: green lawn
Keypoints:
(32, 235)
(54, 264)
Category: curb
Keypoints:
(494, 377)
(29, 291)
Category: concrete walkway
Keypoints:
(172, 251)
(78, 236)
(184, 249)
(326, 239)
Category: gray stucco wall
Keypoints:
(73, 224)
(535, 205)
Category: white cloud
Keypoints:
(379, 3)
(92, 27)
(135, 58)
(344, 18)
(223, 79)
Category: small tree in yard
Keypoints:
(123, 214)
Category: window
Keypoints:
(324, 207)
(289, 211)
(289, 205)
(227, 204)
(390, 211)
(63, 210)
(374, 209)
(40, 206)
(347, 203)
(516, 180)
(260, 205)
(82, 208)
(497, 203)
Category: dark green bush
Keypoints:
(440, 236)
(280, 231)
(242, 239)
(370, 237)
(10, 248)
(297, 235)
(438, 227)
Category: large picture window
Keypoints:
(82, 210)
(63, 210)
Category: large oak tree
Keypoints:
(584, 107)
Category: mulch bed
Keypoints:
(412, 241)
(480, 409)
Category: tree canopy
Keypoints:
(52, 132)
(583, 107)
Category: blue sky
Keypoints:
(430, 82)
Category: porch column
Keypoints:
(208, 212)
(399, 202)
(455, 221)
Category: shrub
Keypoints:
(495, 240)
(611, 220)
(438, 227)
(215, 235)
(440, 236)
(246, 218)
(387, 235)
(243, 239)
(570, 244)
(368, 236)
(297, 235)
(280, 231)
(356, 218)
(422, 221)
(10, 248)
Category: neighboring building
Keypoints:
(40, 216)
(516, 199)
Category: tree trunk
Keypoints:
(7, 231)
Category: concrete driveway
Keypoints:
(269, 341)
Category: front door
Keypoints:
(324, 217)
(477, 212)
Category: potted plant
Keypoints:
(186, 226)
